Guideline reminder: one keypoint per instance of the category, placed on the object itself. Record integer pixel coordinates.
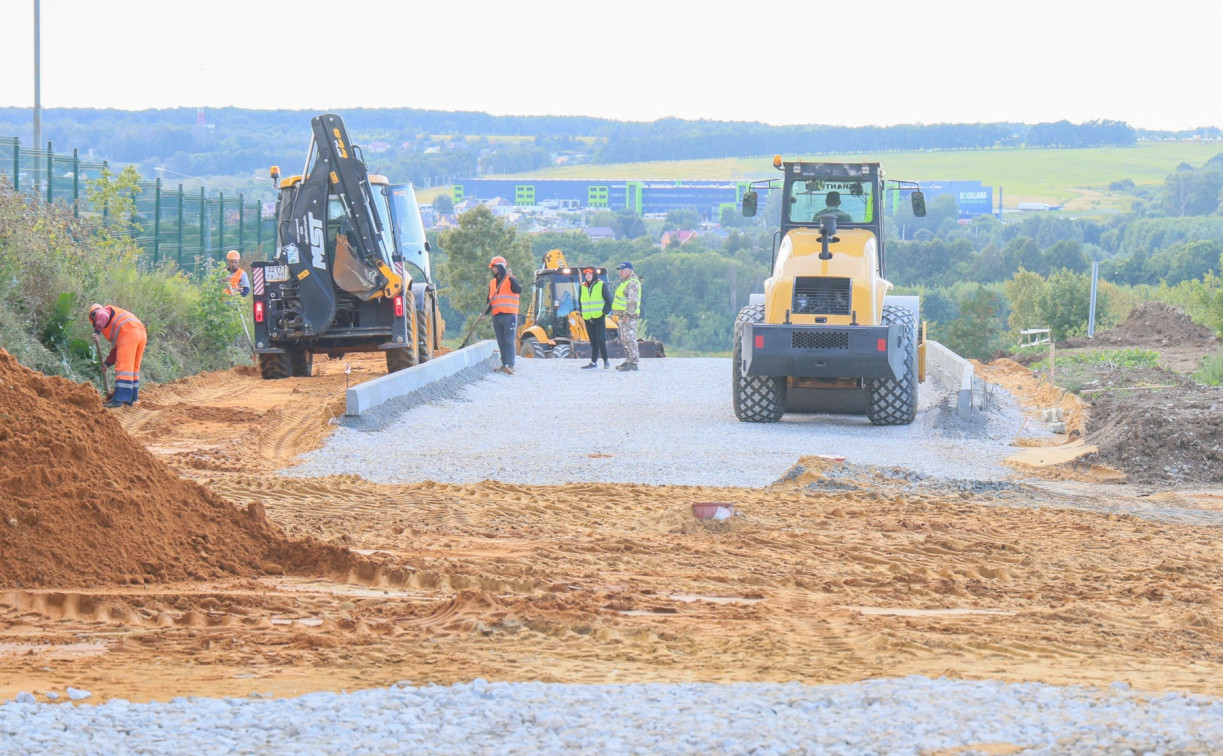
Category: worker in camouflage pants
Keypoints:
(626, 306)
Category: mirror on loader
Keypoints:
(919, 203)
(749, 203)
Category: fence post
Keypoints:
(259, 226)
(17, 165)
(180, 226)
(202, 224)
(221, 222)
(50, 171)
(242, 222)
(76, 182)
(105, 206)
(157, 222)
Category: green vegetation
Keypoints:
(1117, 359)
(1210, 370)
(52, 266)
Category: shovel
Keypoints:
(472, 330)
(102, 368)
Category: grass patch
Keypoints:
(1117, 359)
(1210, 370)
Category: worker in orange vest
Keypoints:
(127, 335)
(503, 297)
(239, 284)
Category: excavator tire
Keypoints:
(562, 351)
(424, 332)
(301, 362)
(399, 359)
(274, 366)
(756, 398)
(893, 401)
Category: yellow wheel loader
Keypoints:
(825, 336)
(553, 326)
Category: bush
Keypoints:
(1210, 370)
(53, 265)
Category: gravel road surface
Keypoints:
(900, 717)
(669, 423)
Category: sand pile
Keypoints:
(84, 503)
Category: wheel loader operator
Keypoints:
(832, 206)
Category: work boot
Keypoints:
(591, 365)
(508, 370)
(606, 364)
(500, 369)
(112, 404)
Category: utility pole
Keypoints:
(37, 84)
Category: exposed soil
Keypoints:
(85, 504)
(834, 574)
(1161, 435)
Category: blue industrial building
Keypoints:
(650, 197)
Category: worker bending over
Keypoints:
(127, 337)
(503, 297)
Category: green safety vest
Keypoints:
(591, 299)
(620, 303)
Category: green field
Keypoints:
(1076, 179)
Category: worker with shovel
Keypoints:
(503, 298)
(238, 285)
(127, 337)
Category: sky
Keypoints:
(876, 62)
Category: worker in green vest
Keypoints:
(626, 306)
(595, 299)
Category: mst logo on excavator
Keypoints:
(314, 233)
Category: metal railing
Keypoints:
(173, 225)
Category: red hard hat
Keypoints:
(498, 260)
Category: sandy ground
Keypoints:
(620, 583)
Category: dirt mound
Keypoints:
(1161, 435)
(1151, 324)
(84, 503)
(1033, 393)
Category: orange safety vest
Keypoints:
(235, 282)
(502, 298)
(118, 320)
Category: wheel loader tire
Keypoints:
(756, 398)
(893, 401)
(301, 362)
(424, 333)
(273, 367)
(399, 359)
(562, 351)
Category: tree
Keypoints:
(1067, 255)
(684, 219)
(480, 237)
(977, 332)
(113, 197)
(443, 204)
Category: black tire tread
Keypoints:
(756, 398)
(274, 367)
(893, 401)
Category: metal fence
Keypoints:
(175, 225)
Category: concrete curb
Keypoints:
(958, 372)
(365, 396)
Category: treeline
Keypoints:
(432, 147)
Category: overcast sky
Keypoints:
(1154, 64)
